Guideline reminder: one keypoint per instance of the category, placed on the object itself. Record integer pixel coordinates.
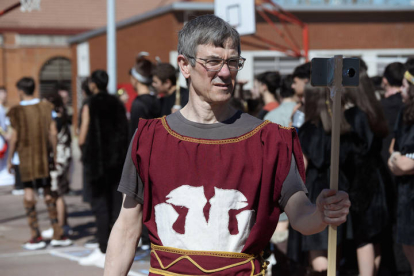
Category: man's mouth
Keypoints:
(222, 84)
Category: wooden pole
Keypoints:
(336, 90)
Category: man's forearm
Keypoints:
(83, 130)
(53, 138)
(12, 145)
(309, 221)
(122, 245)
(332, 207)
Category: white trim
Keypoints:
(42, 40)
(247, 73)
(83, 61)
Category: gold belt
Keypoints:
(185, 256)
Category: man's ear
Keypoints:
(263, 87)
(184, 66)
(168, 82)
(384, 81)
(92, 87)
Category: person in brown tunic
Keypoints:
(33, 135)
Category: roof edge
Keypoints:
(209, 7)
(178, 6)
(43, 31)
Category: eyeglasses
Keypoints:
(215, 64)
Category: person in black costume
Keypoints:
(315, 139)
(392, 101)
(146, 105)
(104, 139)
(401, 163)
(368, 176)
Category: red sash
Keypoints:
(174, 261)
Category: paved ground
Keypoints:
(15, 261)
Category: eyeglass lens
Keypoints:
(216, 64)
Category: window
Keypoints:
(54, 71)
(285, 65)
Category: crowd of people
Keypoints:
(38, 138)
(376, 160)
(104, 135)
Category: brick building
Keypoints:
(378, 32)
(70, 36)
(36, 44)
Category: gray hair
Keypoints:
(205, 30)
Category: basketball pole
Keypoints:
(336, 93)
(111, 46)
(9, 9)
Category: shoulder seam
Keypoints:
(283, 127)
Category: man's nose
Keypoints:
(225, 71)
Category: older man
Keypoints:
(208, 181)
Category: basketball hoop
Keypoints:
(29, 5)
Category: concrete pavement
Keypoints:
(14, 231)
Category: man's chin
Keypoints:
(221, 98)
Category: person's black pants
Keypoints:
(18, 184)
(106, 203)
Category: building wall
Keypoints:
(157, 36)
(342, 31)
(394, 30)
(370, 35)
(24, 61)
(361, 36)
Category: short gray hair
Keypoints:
(205, 30)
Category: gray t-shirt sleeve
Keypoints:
(292, 184)
(131, 184)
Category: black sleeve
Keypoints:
(404, 136)
(292, 184)
(137, 111)
(315, 144)
(360, 125)
(131, 184)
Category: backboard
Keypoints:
(238, 13)
(29, 5)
